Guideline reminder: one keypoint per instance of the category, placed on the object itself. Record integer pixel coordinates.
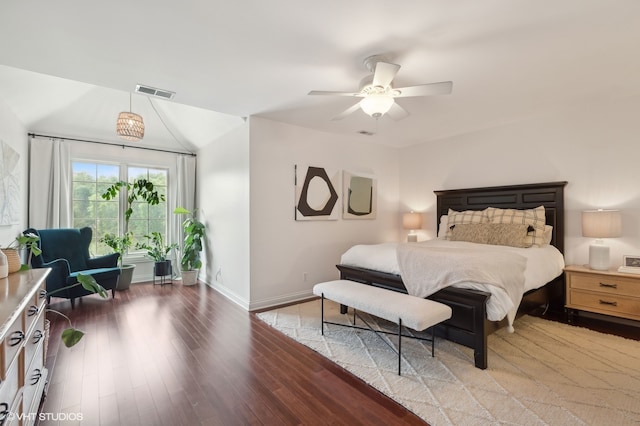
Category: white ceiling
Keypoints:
(508, 60)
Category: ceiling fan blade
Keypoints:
(346, 112)
(384, 73)
(323, 92)
(397, 112)
(443, 88)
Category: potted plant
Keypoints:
(193, 234)
(158, 251)
(140, 189)
(12, 252)
(120, 245)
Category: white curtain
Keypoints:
(184, 195)
(49, 183)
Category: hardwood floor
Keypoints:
(177, 355)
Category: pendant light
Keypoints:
(130, 126)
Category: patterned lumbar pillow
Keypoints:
(534, 217)
(464, 217)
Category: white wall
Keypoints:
(595, 148)
(13, 132)
(223, 203)
(283, 249)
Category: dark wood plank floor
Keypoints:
(177, 355)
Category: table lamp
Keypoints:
(412, 221)
(600, 224)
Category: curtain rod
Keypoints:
(112, 144)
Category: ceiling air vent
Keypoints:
(160, 93)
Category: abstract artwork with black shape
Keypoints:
(316, 195)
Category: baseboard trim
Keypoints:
(281, 300)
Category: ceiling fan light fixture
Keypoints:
(130, 126)
(376, 105)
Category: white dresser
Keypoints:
(22, 338)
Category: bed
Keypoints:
(469, 324)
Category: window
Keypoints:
(90, 180)
(145, 218)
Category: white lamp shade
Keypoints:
(376, 105)
(601, 223)
(412, 220)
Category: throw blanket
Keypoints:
(426, 270)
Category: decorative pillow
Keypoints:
(464, 217)
(534, 217)
(471, 232)
(442, 229)
(509, 234)
(548, 234)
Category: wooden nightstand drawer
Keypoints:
(605, 303)
(603, 292)
(605, 284)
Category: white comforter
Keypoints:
(542, 265)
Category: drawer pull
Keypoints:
(33, 309)
(608, 285)
(35, 377)
(37, 336)
(4, 412)
(16, 338)
(606, 302)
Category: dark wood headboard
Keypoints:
(528, 196)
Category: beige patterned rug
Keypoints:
(546, 373)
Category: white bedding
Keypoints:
(543, 264)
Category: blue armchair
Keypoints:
(66, 252)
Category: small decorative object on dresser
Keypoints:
(603, 292)
(630, 264)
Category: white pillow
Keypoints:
(442, 229)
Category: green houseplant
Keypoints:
(158, 250)
(193, 235)
(12, 251)
(138, 190)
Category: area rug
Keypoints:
(546, 373)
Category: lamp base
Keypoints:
(599, 257)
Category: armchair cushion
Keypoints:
(66, 252)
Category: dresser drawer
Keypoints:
(34, 380)
(9, 388)
(609, 304)
(12, 343)
(35, 306)
(34, 338)
(605, 284)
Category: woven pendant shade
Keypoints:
(130, 126)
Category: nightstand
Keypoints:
(604, 292)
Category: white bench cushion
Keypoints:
(415, 312)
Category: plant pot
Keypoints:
(190, 277)
(13, 260)
(126, 275)
(163, 268)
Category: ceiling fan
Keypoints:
(378, 95)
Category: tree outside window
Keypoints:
(90, 180)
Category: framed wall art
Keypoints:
(359, 195)
(316, 193)
(10, 203)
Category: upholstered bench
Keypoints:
(402, 309)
